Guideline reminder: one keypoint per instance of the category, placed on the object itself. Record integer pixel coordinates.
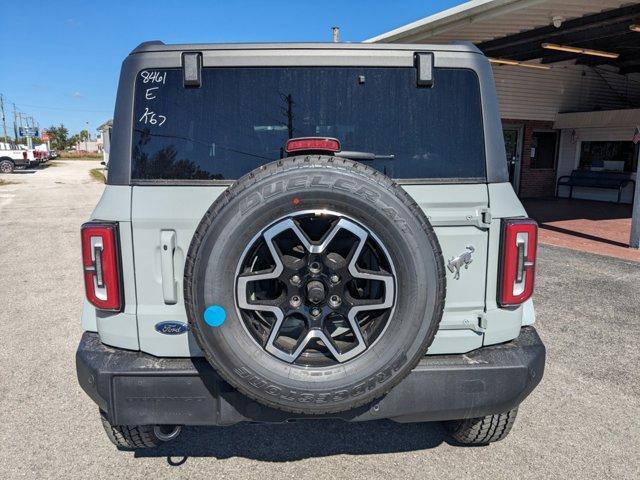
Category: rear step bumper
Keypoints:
(135, 388)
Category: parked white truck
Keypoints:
(14, 157)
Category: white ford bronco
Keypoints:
(295, 231)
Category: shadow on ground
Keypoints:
(545, 210)
(23, 171)
(299, 440)
(586, 236)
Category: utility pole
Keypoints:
(4, 120)
(29, 122)
(20, 129)
(289, 100)
(15, 125)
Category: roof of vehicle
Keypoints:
(158, 46)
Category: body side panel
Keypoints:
(119, 329)
(456, 211)
(177, 209)
(502, 324)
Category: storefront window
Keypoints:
(608, 156)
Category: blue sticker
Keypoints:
(214, 315)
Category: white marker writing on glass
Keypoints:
(150, 94)
(149, 116)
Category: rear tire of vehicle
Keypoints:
(133, 437)
(284, 189)
(6, 166)
(482, 430)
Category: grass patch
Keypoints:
(97, 175)
(79, 156)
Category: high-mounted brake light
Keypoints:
(320, 144)
(517, 267)
(101, 263)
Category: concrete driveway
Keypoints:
(582, 422)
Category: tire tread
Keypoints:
(482, 430)
(336, 163)
(130, 437)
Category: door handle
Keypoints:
(167, 248)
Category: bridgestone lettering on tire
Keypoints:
(331, 278)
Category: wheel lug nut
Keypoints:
(315, 312)
(295, 301)
(334, 278)
(335, 301)
(295, 280)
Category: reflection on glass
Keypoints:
(240, 118)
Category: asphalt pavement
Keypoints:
(582, 422)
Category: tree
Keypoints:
(83, 136)
(59, 137)
(74, 140)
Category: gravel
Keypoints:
(583, 421)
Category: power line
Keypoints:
(65, 109)
(46, 107)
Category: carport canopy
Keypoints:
(601, 35)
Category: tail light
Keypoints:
(101, 263)
(517, 267)
(319, 144)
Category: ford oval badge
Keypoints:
(171, 328)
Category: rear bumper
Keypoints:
(140, 389)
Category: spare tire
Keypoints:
(314, 284)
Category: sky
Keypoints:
(60, 60)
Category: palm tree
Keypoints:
(83, 136)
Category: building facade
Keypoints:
(561, 111)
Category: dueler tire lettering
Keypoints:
(317, 180)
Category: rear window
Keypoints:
(240, 118)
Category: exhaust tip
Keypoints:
(167, 433)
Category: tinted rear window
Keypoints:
(240, 118)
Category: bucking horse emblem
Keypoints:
(462, 260)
